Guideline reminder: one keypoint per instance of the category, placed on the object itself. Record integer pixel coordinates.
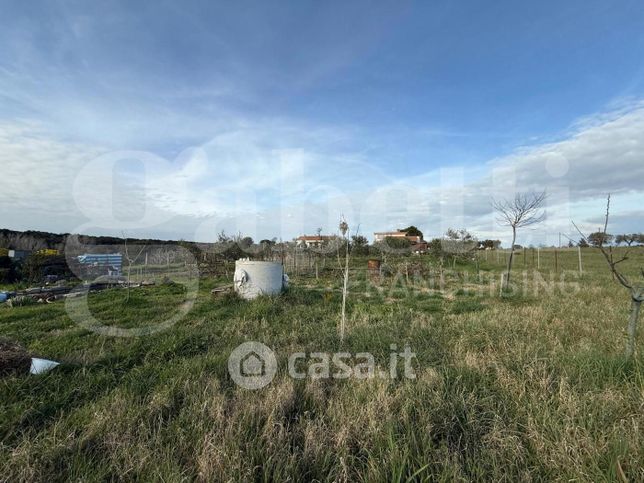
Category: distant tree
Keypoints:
(464, 235)
(491, 244)
(599, 238)
(435, 247)
(396, 243)
(245, 242)
(570, 244)
(582, 243)
(629, 238)
(232, 248)
(523, 210)
(266, 247)
(359, 245)
(458, 242)
(413, 231)
(192, 247)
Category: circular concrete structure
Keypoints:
(254, 278)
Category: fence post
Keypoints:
(581, 269)
(556, 262)
(295, 260)
(538, 258)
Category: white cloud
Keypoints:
(36, 170)
(279, 179)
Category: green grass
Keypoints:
(523, 386)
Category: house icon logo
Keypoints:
(252, 365)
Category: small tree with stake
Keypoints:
(523, 210)
(344, 228)
(636, 291)
(130, 262)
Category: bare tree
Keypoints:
(636, 291)
(523, 210)
(130, 261)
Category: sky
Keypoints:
(178, 120)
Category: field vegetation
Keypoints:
(528, 384)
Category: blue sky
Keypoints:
(347, 98)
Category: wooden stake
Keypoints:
(556, 262)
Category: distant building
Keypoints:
(381, 235)
(313, 240)
(419, 248)
(112, 262)
(19, 255)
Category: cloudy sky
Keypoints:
(182, 119)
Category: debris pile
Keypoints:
(51, 294)
(14, 359)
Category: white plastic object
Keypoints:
(41, 366)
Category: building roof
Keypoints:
(315, 237)
(391, 233)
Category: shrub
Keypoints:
(8, 273)
(37, 266)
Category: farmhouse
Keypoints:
(381, 235)
(419, 248)
(313, 240)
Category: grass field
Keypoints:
(526, 386)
